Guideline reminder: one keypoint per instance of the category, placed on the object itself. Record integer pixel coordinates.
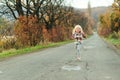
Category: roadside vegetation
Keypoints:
(114, 41)
(109, 26)
(34, 24)
(26, 50)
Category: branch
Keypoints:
(11, 10)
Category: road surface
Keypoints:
(98, 62)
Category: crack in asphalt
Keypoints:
(87, 69)
(87, 66)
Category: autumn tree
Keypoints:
(57, 19)
(115, 16)
(110, 21)
(104, 28)
(47, 11)
(27, 35)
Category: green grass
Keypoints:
(115, 42)
(14, 52)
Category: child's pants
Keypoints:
(78, 47)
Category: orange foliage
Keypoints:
(56, 34)
(104, 27)
(104, 31)
(45, 35)
(27, 31)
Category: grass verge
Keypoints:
(14, 52)
(113, 41)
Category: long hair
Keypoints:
(77, 28)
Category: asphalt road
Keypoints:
(98, 62)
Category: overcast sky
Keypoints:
(94, 3)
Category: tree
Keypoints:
(46, 11)
(5, 27)
(115, 16)
(104, 28)
(89, 8)
(52, 12)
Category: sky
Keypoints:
(93, 3)
(84, 3)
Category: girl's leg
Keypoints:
(78, 51)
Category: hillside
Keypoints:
(96, 11)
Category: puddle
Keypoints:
(1, 72)
(71, 68)
(92, 43)
(89, 47)
(107, 77)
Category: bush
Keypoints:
(1, 46)
(58, 33)
(114, 35)
(119, 34)
(8, 43)
(27, 31)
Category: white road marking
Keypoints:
(70, 68)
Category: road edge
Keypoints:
(110, 45)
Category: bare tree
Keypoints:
(52, 12)
(46, 11)
(23, 8)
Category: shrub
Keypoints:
(27, 31)
(114, 35)
(119, 34)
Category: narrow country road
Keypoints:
(98, 62)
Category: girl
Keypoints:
(78, 35)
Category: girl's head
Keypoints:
(77, 29)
